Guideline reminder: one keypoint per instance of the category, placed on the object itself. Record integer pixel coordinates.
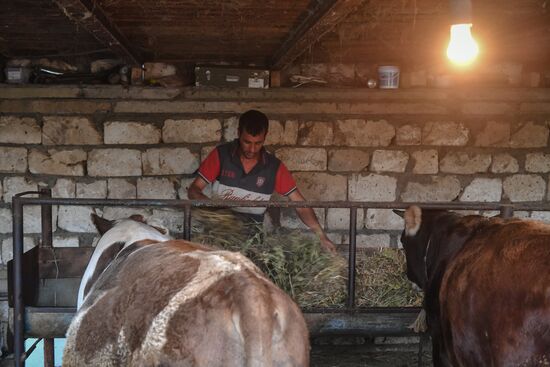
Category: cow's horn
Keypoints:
(401, 213)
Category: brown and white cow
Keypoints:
(177, 303)
(486, 284)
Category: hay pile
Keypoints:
(295, 262)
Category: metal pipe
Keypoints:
(19, 307)
(278, 204)
(46, 218)
(351, 257)
(31, 349)
(506, 211)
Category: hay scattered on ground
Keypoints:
(295, 262)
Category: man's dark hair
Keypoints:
(253, 122)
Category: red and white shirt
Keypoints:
(224, 170)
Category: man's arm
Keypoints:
(308, 217)
(195, 189)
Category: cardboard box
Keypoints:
(231, 77)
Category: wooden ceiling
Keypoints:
(269, 33)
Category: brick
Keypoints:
(439, 188)
(282, 133)
(464, 163)
(7, 248)
(494, 134)
(114, 162)
(445, 133)
(205, 151)
(504, 163)
(339, 219)
(389, 161)
(373, 240)
(372, 188)
(192, 131)
(383, 219)
(119, 188)
(13, 160)
(537, 162)
(320, 186)
(32, 220)
(425, 161)
(155, 188)
(66, 241)
(358, 132)
(524, 188)
(303, 159)
(129, 132)
(169, 161)
(69, 130)
(341, 74)
(315, 133)
(289, 219)
(64, 188)
(487, 108)
(408, 135)
(76, 219)
(231, 128)
(6, 224)
(342, 160)
(117, 212)
(483, 190)
(543, 216)
(530, 135)
(15, 185)
(170, 218)
(19, 130)
(69, 162)
(92, 190)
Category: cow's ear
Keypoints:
(401, 213)
(102, 224)
(413, 218)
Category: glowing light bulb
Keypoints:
(463, 49)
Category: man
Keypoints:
(244, 170)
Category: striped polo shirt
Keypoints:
(224, 170)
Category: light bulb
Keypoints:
(462, 48)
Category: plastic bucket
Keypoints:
(388, 77)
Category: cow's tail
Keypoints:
(258, 321)
(272, 328)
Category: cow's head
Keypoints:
(415, 242)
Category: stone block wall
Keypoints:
(415, 145)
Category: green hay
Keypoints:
(296, 263)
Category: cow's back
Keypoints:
(180, 304)
(495, 296)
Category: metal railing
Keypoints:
(45, 201)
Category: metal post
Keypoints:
(506, 211)
(19, 307)
(352, 250)
(46, 212)
(46, 217)
(187, 222)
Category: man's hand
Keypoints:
(327, 245)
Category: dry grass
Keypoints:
(296, 263)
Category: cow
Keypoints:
(486, 284)
(155, 301)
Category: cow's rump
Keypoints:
(486, 285)
(180, 304)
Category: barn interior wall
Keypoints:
(413, 145)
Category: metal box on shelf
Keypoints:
(231, 77)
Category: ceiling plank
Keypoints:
(89, 15)
(325, 15)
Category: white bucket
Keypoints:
(388, 77)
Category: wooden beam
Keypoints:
(326, 15)
(88, 14)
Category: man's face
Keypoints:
(251, 145)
